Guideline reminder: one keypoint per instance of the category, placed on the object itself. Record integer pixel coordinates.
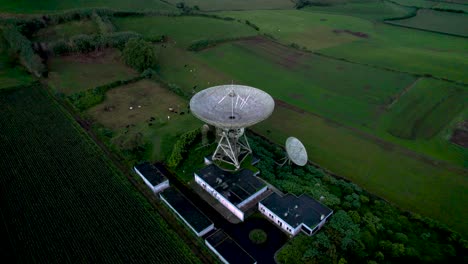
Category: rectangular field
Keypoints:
(138, 113)
(426, 109)
(74, 73)
(11, 72)
(374, 44)
(62, 200)
(432, 20)
(184, 30)
(314, 83)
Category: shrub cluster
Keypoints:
(139, 54)
(103, 22)
(89, 98)
(181, 147)
(86, 43)
(252, 25)
(206, 43)
(20, 45)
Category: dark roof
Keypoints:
(296, 210)
(151, 173)
(236, 187)
(228, 248)
(186, 209)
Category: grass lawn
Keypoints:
(74, 73)
(147, 120)
(211, 5)
(11, 74)
(65, 30)
(314, 83)
(393, 47)
(46, 6)
(392, 172)
(377, 10)
(184, 30)
(437, 21)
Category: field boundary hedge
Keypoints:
(390, 22)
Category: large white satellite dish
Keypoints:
(295, 152)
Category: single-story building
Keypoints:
(294, 214)
(227, 250)
(152, 177)
(231, 189)
(187, 211)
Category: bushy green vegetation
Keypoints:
(11, 72)
(437, 21)
(62, 196)
(76, 73)
(396, 48)
(363, 228)
(139, 54)
(426, 108)
(182, 146)
(184, 30)
(33, 6)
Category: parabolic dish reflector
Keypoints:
(232, 106)
(296, 151)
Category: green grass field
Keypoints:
(392, 172)
(378, 10)
(32, 6)
(417, 3)
(388, 46)
(184, 30)
(437, 21)
(426, 109)
(211, 5)
(74, 73)
(63, 201)
(147, 120)
(314, 83)
(66, 30)
(452, 6)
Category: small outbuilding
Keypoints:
(294, 214)
(152, 177)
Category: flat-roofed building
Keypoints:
(294, 214)
(231, 189)
(198, 222)
(152, 177)
(227, 249)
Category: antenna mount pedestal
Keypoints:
(233, 146)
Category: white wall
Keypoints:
(277, 220)
(163, 185)
(219, 197)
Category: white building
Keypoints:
(233, 190)
(152, 177)
(294, 214)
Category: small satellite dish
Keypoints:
(296, 152)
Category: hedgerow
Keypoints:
(181, 147)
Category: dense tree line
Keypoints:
(363, 228)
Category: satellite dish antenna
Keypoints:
(231, 109)
(295, 152)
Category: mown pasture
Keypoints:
(453, 6)
(212, 5)
(417, 3)
(11, 73)
(184, 30)
(63, 200)
(33, 6)
(65, 30)
(376, 10)
(314, 83)
(437, 21)
(411, 181)
(426, 108)
(77, 72)
(137, 114)
(388, 46)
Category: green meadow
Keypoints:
(380, 45)
(211, 5)
(11, 73)
(184, 30)
(437, 21)
(66, 30)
